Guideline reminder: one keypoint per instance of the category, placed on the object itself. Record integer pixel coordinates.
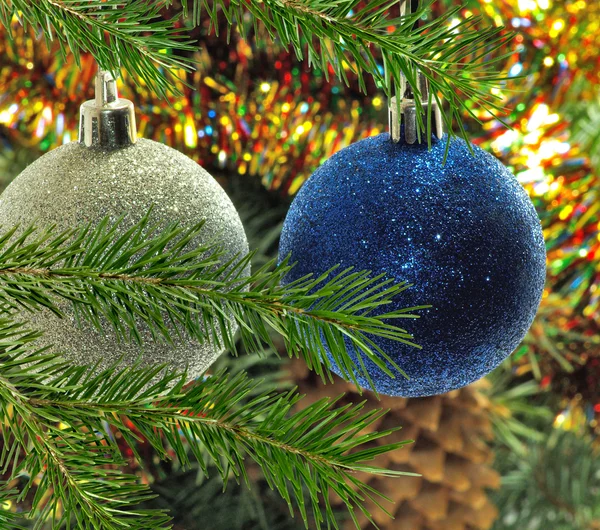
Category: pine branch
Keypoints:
(154, 276)
(310, 449)
(190, 495)
(8, 519)
(556, 485)
(456, 58)
(77, 468)
(582, 114)
(58, 416)
(117, 33)
(516, 414)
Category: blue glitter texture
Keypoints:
(464, 233)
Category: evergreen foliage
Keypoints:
(59, 418)
(458, 59)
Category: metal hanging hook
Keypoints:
(408, 108)
(107, 120)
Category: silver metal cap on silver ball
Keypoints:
(403, 119)
(107, 121)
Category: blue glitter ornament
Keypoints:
(465, 234)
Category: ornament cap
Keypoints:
(107, 121)
(407, 108)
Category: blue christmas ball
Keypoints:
(465, 234)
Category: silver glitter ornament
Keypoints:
(109, 173)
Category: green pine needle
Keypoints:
(556, 484)
(78, 470)
(117, 33)
(582, 116)
(459, 60)
(8, 519)
(160, 279)
(58, 415)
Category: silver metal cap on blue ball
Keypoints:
(107, 121)
(403, 118)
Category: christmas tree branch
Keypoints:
(582, 113)
(556, 484)
(159, 277)
(514, 413)
(455, 55)
(58, 418)
(8, 497)
(78, 470)
(550, 477)
(129, 35)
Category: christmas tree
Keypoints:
(266, 92)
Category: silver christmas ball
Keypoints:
(74, 185)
